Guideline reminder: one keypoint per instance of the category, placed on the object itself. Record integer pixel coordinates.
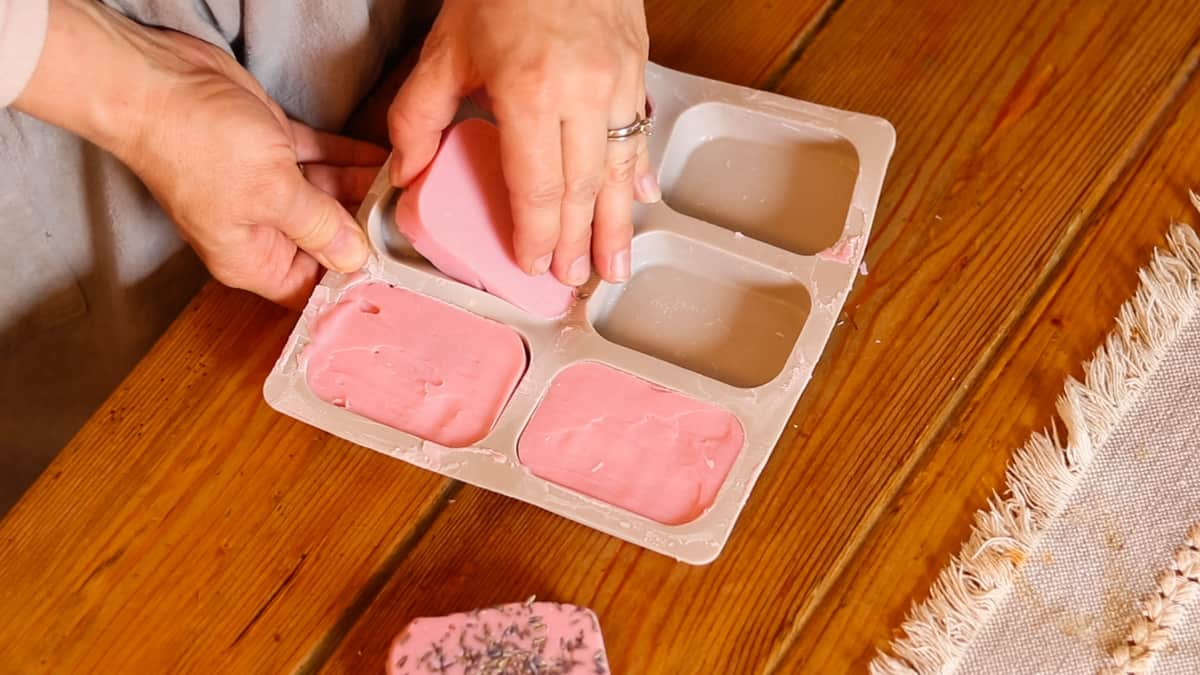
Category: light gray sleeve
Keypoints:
(215, 21)
(316, 58)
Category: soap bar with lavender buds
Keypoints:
(530, 638)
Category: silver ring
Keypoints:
(300, 165)
(643, 126)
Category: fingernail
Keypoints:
(580, 270)
(542, 264)
(648, 185)
(618, 266)
(347, 252)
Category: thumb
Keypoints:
(421, 111)
(318, 224)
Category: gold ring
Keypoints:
(643, 126)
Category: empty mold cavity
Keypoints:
(778, 181)
(413, 363)
(628, 442)
(703, 309)
(388, 239)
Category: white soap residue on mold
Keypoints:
(564, 338)
(862, 268)
(798, 378)
(486, 453)
(568, 341)
(832, 306)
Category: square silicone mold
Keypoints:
(739, 276)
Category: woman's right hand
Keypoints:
(558, 75)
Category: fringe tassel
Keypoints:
(1150, 632)
(1044, 473)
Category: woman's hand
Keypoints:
(217, 153)
(225, 163)
(558, 76)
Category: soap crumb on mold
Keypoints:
(842, 252)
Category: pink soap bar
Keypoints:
(413, 363)
(539, 638)
(457, 215)
(630, 443)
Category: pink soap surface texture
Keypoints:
(630, 443)
(457, 214)
(535, 638)
(413, 363)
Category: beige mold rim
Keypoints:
(735, 312)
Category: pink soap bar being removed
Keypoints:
(413, 363)
(457, 214)
(630, 443)
(539, 638)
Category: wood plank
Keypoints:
(744, 42)
(189, 524)
(189, 527)
(930, 519)
(1006, 144)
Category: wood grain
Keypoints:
(1007, 143)
(746, 42)
(189, 528)
(929, 519)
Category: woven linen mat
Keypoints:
(1090, 560)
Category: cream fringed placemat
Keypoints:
(1090, 561)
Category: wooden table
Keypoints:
(1044, 147)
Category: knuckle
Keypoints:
(532, 83)
(636, 38)
(621, 169)
(583, 190)
(615, 234)
(404, 116)
(543, 195)
(641, 43)
(540, 96)
(525, 99)
(535, 241)
(598, 70)
(577, 241)
(317, 230)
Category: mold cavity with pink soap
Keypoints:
(630, 443)
(413, 363)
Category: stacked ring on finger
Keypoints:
(642, 126)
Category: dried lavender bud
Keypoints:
(520, 639)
